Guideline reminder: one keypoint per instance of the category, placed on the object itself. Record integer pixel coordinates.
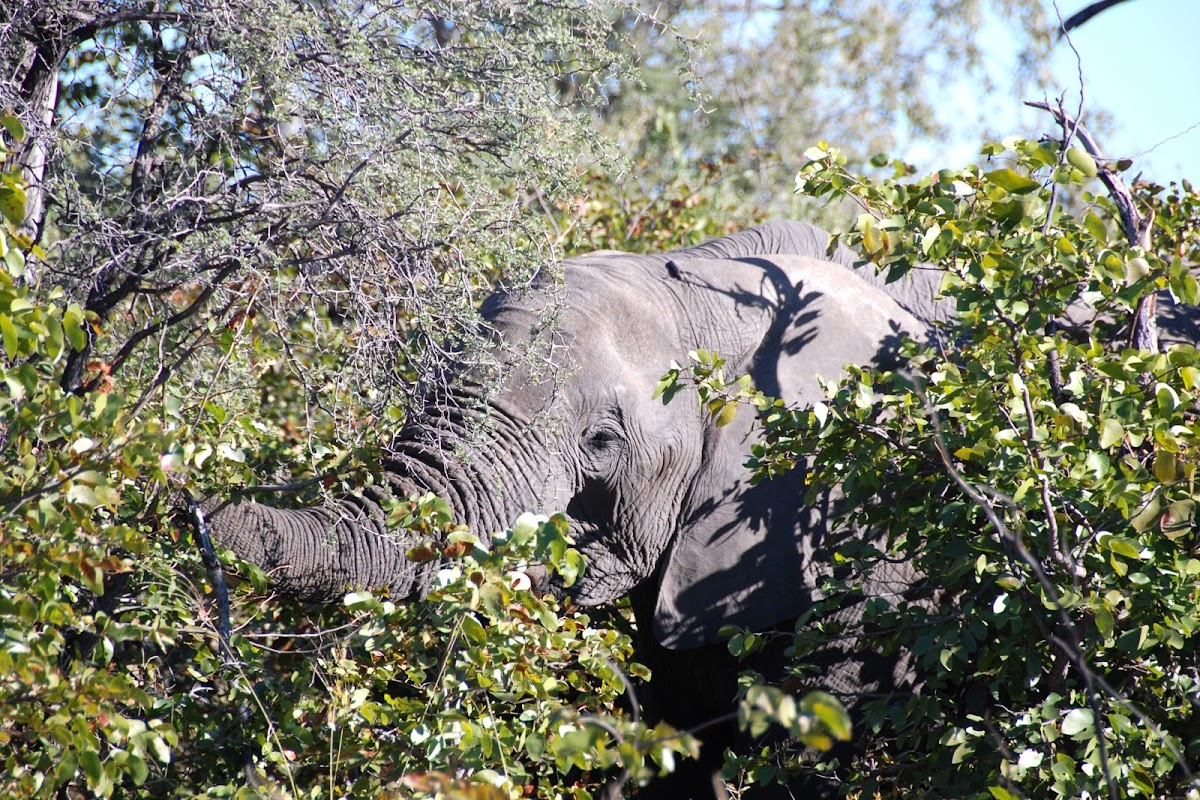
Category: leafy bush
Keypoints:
(116, 681)
(1040, 476)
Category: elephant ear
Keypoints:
(748, 555)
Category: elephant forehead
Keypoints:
(609, 316)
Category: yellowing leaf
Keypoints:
(1011, 181)
(1082, 161)
(726, 414)
(12, 203)
(1164, 467)
(830, 711)
(817, 741)
(871, 241)
(420, 553)
(9, 334)
(1111, 433)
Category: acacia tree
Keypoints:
(192, 165)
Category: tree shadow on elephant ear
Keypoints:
(769, 566)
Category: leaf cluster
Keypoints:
(1035, 470)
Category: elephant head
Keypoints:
(657, 495)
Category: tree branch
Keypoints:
(1143, 324)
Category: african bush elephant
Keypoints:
(658, 498)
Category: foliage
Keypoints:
(115, 680)
(484, 689)
(194, 165)
(234, 237)
(755, 83)
(1040, 475)
(72, 497)
(116, 683)
(690, 210)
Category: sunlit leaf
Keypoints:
(1012, 181)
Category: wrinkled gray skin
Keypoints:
(649, 488)
(659, 499)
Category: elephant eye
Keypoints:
(601, 439)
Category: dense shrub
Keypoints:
(1041, 476)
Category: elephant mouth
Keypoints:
(540, 579)
(605, 577)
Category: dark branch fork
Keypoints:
(1143, 326)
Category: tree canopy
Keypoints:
(193, 164)
(764, 81)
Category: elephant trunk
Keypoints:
(319, 553)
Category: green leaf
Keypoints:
(1077, 721)
(9, 334)
(930, 237)
(161, 750)
(1186, 288)
(14, 127)
(138, 770)
(1124, 547)
(12, 203)
(472, 629)
(1166, 397)
(1135, 270)
(1148, 515)
(15, 260)
(1011, 181)
(1134, 640)
(572, 567)
(73, 327)
(1082, 161)
(360, 601)
(1178, 519)
(1096, 227)
(1111, 433)
(93, 770)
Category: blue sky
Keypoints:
(1141, 63)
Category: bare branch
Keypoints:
(1143, 327)
(1085, 14)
